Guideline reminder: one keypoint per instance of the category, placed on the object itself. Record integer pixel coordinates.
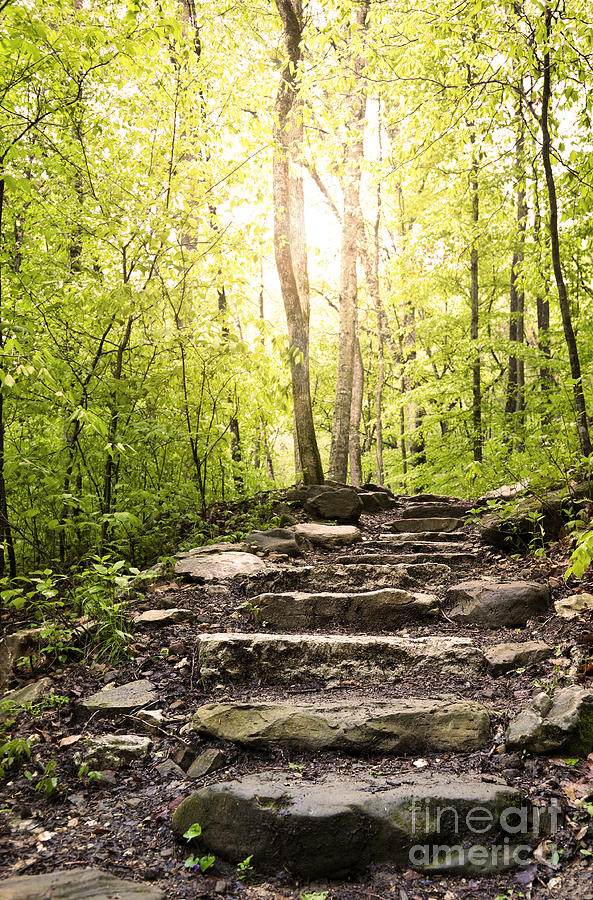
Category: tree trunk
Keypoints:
(516, 371)
(6, 540)
(351, 226)
(354, 451)
(569, 336)
(475, 317)
(371, 262)
(112, 433)
(543, 310)
(288, 247)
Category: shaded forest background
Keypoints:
(438, 160)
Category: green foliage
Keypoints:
(582, 555)
(13, 753)
(140, 384)
(245, 871)
(91, 775)
(35, 708)
(46, 783)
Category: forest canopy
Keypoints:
(247, 243)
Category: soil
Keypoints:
(124, 825)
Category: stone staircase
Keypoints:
(357, 693)
(333, 825)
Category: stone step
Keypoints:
(355, 725)
(204, 564)
(289, 658)
(334, 826)
(361, 577)
(430, 523)
(429, 537)
(113, 701)
(369, 610)
(328, 536)
(437, 498)
(431, 510)
(405, 547)
(77, 883)
(385, 559)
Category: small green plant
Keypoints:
(314, 895)
(99, 593)
(245, 871)
(555, 855)
(193, 862)
(13, 753)
(252, 608)
(47, 784)
(199, 863)
(85, 771)
(296, 767)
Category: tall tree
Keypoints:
(569, 335)
(351, 229)
(289, 241)
(515, 398)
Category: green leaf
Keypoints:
(193, 831)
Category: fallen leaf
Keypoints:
(69, 740)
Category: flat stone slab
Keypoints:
(505, 657)
(497, 605)
(111, 751)
(288, 658)
(435, 510)
(329, 537)
(29, 693)
(430, 537)
(369, 610)
(335, 826)
(204, 567)
(388, 726)
(429, 523)
(563, 722)
(390, 542)
(385, 559)
(350, 578)
(116, 701)
(76, 884)
(163, 617)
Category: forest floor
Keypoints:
(122, 822)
